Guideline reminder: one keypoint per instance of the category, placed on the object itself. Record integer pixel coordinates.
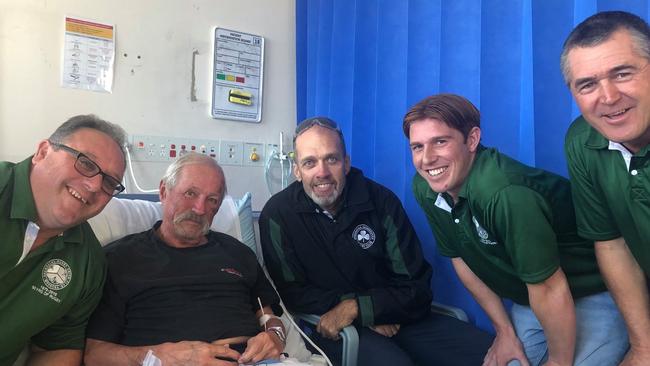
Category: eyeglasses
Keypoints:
(316, 121)
(619, 74)
(88, 168)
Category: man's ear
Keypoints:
(162, 191)
(296, 172)
(473, 139)
(42, 149)
(347, 164)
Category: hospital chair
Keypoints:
(350, 337)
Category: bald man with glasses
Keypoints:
(51, 265)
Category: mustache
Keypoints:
(191, 216)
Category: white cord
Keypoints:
(135, 182)
(267, 169)
(295, 326)
(322, 353)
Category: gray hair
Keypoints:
(174, 170)
(91, 121)
(598, 28)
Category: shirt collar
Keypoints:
(627, 155)
(595, 140)
(23, 205)
(441, 203)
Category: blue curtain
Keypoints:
(365, 62)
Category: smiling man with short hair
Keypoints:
(52, 267)
(509, 230)
(605, 65)
(340, 245)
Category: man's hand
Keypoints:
(387, 330)
(196, 354)
(505, 348)
(339, 317)
(265, 345)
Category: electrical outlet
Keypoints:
(231, 152)
(254, 154)
(149, 148)
(166, 149)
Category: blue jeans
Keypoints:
(601, 335)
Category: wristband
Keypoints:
(278, 332)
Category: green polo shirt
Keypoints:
(47, 297)
(611, 189)
(512, 225)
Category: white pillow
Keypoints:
(122, 217)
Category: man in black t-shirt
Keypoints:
(185, 294)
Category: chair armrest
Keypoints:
(349, 336)
(452, 311)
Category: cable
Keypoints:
(322, 353)
(267, 169)
(295, 326)
(135, 182)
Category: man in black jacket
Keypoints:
(339, 245)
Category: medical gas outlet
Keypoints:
(144, 148)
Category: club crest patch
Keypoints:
(56, 274)
(364, 236)
(483, 235)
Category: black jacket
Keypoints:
(369, 252)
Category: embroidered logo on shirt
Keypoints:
(482, 233)
(233, 272)
(364, 236)
(56, 274)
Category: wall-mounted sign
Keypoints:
(237, 76)
(88, 55)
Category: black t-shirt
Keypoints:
(155, 293)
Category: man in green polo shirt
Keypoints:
(51, 265)
(605, 65)
(510, 231)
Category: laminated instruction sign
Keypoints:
(88, 55)
(237, 76)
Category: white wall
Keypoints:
(152, 98)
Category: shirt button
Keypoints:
(456, 221)
(634, 172)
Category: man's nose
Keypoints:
(199, 207)
(429, 155)
(323, 169)
(609, 93)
